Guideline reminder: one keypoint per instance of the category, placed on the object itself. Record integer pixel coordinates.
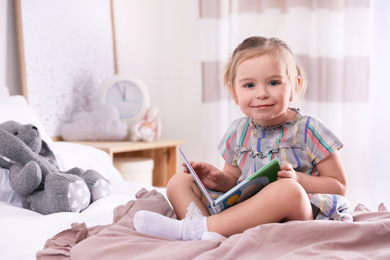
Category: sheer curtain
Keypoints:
(331, 39)
(379, 119)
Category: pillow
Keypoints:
(70, 155)
(16, 108)
(6, 192)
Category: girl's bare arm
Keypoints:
(332, 176)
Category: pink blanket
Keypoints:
(368, 236)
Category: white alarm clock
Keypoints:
(128, 95)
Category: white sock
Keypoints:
(191, 227)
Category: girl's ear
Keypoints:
(232, 92)
(296, 89)
(299, 81)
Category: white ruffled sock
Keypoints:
(192, 227)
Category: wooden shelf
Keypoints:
(163, 152)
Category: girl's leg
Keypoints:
(282, 200)
(181, 191)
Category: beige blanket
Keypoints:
(368, 237)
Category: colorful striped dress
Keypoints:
(302, 142)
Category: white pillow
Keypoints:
(16, 108)
(6, 192)
(70, 155)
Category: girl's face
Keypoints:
(263, 91)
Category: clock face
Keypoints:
(126, 97)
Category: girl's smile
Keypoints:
(262, 107)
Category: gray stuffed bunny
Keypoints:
(34, 173)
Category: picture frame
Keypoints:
(66, 52)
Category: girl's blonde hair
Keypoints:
(258, 46)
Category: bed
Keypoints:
(105, 229)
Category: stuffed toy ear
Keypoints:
(48, 154)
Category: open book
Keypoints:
(242, 191)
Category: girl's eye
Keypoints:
(249, 85)
(274, 83)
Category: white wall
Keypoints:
(158, 42)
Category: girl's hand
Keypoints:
(287, 171)
(210, 176)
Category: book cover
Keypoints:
(250, 186)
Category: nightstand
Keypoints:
(163, 152)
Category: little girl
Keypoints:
(262, 77)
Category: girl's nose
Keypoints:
(262, 93)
